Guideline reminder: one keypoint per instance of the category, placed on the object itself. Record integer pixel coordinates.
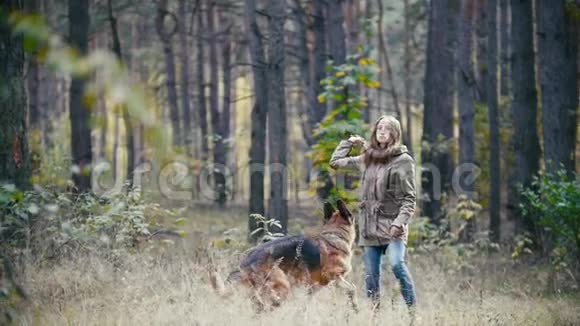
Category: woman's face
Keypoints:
(383, 132)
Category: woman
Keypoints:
(387, 202)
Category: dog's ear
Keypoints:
(344, 212)
(328, 210)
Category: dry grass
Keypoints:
(168, 286)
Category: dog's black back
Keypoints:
(289, 250)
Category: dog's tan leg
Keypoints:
(279, 286)
(273, 288)
(350, 291)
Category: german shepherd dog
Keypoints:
(272, 268)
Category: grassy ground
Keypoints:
(166, 284)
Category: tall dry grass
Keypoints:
(166, 284)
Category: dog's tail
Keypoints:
(218, 284)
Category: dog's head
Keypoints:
(341, 215)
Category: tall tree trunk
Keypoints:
(312, 73)
(101, 106)
(218, 149)
(47, 102)
(466, 89)
(277, 129)
(184, 60)
(558, 54)
(336, 34)
(47, 89)
(367, 111)
(337, 49)
(201, 87)
(388, 70)
(130, 145)
(317, 110)
(524, 104)
(258, 119)
(481, 51)
(407, 69)
(78, 11)
(227, 99)
(169, 58)
(139, 42)
(305, 66)
(102, 109)
(493, 115)
(33, 79)
(438, 112)
(14, 156)
(505, 34)
(33, 95)
(352, 23)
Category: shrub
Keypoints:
(553, 204)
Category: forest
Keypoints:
(144, 143)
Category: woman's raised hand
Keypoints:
(357, 140)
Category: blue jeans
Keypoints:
(396, 254)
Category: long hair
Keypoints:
(377, 154)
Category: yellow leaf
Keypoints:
(374, 84)
(180, 221)
(89, 100)
(321, 98)
(340, 74)
(219, 243)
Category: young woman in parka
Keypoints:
(387, 202)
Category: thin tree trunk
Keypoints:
(47, 101)
(14, 156)
(367, 111)
(407, 60)
(336, 34)
(305, 67)
(218, 150)
(317, 110)
(101, 107)
(138, 37)
(277, 129)
(337, 38)
(352, 23)
(33, 79)
(352, 13)
(312, 71)
(78, 11)
(481, 50)
(388, 70)
(558, 54)
(505, 33)
(169, 58)
(258, 121)
(201, 88)
(436, 159)
(47, 89)
(184, 60)
(524, 105)
(116, 147)
(130, 145)
(466, 90)
(493, 114)
(337, 49)
(227, 99)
